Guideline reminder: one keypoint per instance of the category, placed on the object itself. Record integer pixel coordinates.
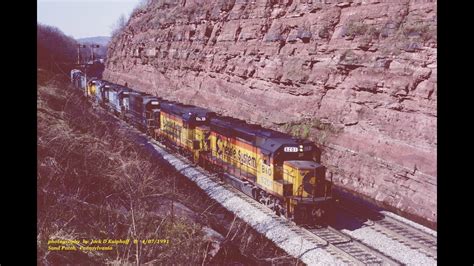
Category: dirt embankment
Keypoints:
(95, 183)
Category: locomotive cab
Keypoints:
(289, 169)
(142, 110)
(308, 178)
(154, 122)
(152, 114)
(311, 191)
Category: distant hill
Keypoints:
(101, 52)
(100, 40)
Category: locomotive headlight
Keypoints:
(301, 148)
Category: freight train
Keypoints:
(274, 168)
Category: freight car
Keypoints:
(274, 168)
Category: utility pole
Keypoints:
(79, 46)
(78, 53)
(92, 50)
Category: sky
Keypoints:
(84, 18)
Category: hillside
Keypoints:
(357, 77)
(96, 181)
(100, 40)
(54, 49)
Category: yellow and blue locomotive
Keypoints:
(186, 127)
(274, 168)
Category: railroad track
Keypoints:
(363, 254)
(350, 251)
(400, 232)
(408, 235)
(336, 243)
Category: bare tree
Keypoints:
(119, 25)
(53, 46)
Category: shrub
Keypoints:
(354, 28)
(314, 129)
(421, 30)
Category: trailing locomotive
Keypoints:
(118, 99)
(274, 168)
(186, 127)
(143, 111)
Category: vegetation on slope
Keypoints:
(54, 47)
(95, 183)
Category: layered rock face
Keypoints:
(357, 77)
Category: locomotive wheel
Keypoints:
(317, 213)
(329, 215)
(279, 209)
(256, 194)
(264, 198)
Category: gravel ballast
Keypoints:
(282, 234)
(396, 250)
(263, 222)
(411, 223)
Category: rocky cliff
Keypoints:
(358, 77)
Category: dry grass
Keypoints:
(94, 183)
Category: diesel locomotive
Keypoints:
(276, 169)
